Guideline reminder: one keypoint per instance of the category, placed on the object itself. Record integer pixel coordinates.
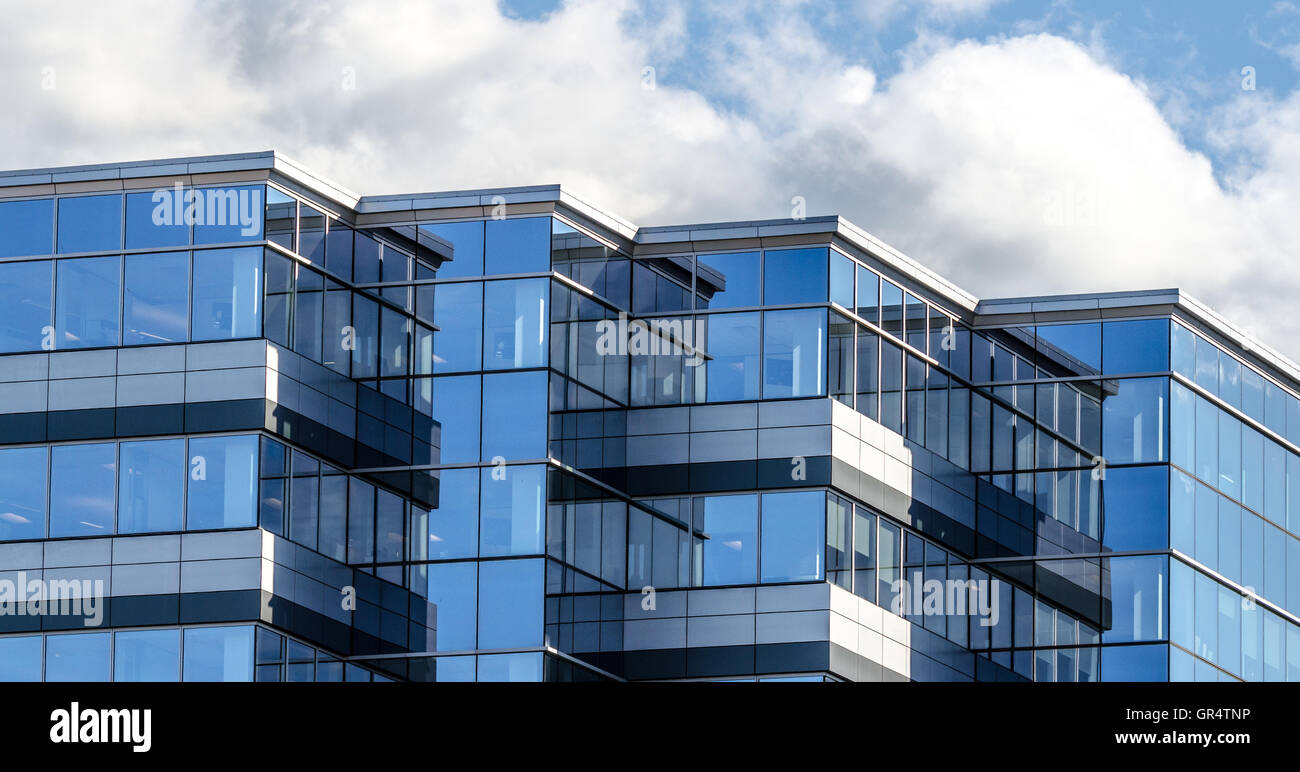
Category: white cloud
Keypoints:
(1017, 165)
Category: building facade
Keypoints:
(254, 426)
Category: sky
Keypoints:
(1018, 147)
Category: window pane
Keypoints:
(81, 489)
(155, 303)
(517, 246)
(467, 247)
(279, 297)
(156, 219)
(1074, 348)
(514, 503)
(86, 308)
(511, 603)
(524, 667)
(1133, 421)
(26, 228)
(514, 324)
(730, 528)
(1137, 599)
(1135, 506)
(222, 483)
(793, 536)
(151, 486)
(78, 657)
(395, 343)
(456, 407)
(227, 215)
(25, 290)
(227, 294)
(361, 522)
(733, 342)
(793, 342)
(90, 224)
(334, 516)
(514, 415)
(868, 366)
(20, 658)
(794, 276)
(219, 653)
(308, 311)
(453, 526)
(147, 655)
(22, 493)
(458, 313)
(1136, 347)
(728, 280)
(453, 588)
(304, 509)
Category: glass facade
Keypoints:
(573, 445)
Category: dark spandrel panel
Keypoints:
(86, 306)
(1135, 346)
(728, 280)
(156, 219)
(26, 228)
(227, 215)
(25, 293)
(795, 276)
(90, 224)
(520, 245)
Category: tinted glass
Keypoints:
(793, 536)
(517, 246)
(156, 219)
(26, 228)
(453, 588)
(81, 489)
(22, 493)
(227, 294)
(514, 324)
(86, 306)
(1136, 347)
(514, 415)
(25, 293)
(227, 215)
(219, 654)
(733, 344)
(155, 303)
(151, 486)
(20, 658)
(511, 603)
(467, 247)
(147, 655)
(1071, 348)
(730, 551)
(458, 313)
(728, 281)
(78, 657)
(513, 510)
(792, 353)
(453, 526)
(222, 483)
(794, 276)
(90, 224)
(456, 407)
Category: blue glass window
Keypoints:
(219, 653)
(151, 487)
(1207, 365)
(22, 493)
(90, 224)
(514, 324)
(1135, 508)
(1074, 348)
(842, 270)
(361, 522)
(1138, 601)
(453, 588)
(78, 657)
(456, 407)
(1182, 350)
(730, 546)
(467, 247)
(81, 489)
(26, 228)
(727, 280)
(514, 505)
(458, 313)
(733, 344)
(20, 658)
(1133, 421)
(227, 294)
(868, 292)
(1135, 347)
(520, 245)
(891, 308)
(793, 537)
(793, 342)
(514, 415)
(524, 667)
(222, 483)
(511, 603)
(147, 655)
(87, 302)
(333, 515)
(155, 304)
(453, 526)
(227, 215)
(156, 219)
(25, 292)
(1135, 663)
(794, 276)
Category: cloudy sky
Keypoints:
(1016, 146)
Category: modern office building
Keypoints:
(269, 429)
